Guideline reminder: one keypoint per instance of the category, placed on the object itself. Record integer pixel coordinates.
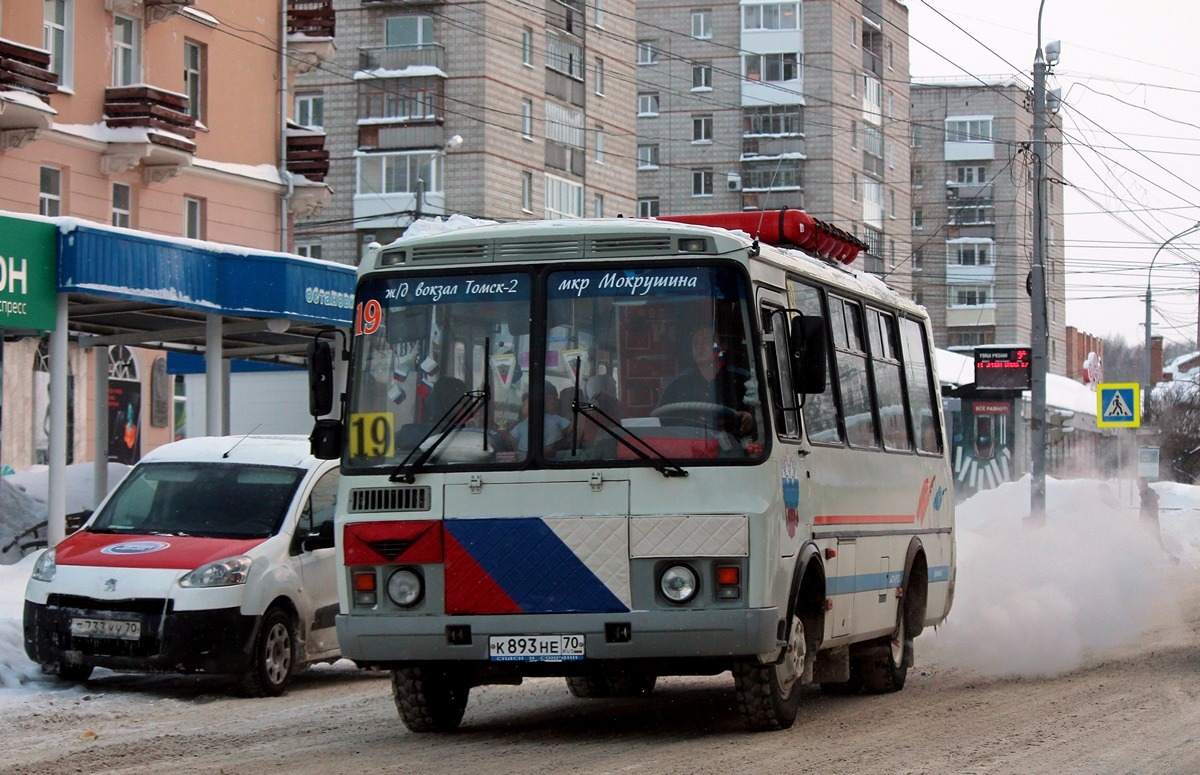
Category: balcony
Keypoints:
(306, 154)
(401, 113)
(154, 131)
(311, 26)
(565, 15)
(401, 57)
(26, 84)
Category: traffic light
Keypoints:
(1056, 425)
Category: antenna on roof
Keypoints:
(239, 441)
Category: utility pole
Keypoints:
(1039, 330)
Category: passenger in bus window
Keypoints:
(710, 380)
(555, 426)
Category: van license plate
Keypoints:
(106, 628)
(535, 648)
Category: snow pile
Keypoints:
(18, 513)
(426, 227)
(17, 672)
(1038, 600)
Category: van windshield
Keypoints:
(212, 500)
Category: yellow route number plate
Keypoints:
(371, 435)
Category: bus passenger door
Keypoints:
(783, 419)
(841, 568)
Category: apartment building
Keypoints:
(762, 104)
(492, 109)
(972, 215)
(153, 116)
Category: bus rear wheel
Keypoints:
(429, 699)
(887, 672)
(768, 696)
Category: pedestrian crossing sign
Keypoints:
(1119, 405)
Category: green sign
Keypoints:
(28, 255)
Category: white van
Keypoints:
(213, 555)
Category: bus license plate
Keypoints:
(535, 648)
(106, 628)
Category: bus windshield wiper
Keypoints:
(455, 417)
(605, 422)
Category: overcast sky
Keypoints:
(1130, 79)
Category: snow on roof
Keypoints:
(412, 71)
(262, 450)
(27, 99)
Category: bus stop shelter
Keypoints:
(108, 286)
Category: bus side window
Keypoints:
(779, 373)
(857, 399)
(885, 368)
(921, 394)
(821, 410)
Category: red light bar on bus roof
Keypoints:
(784, 228)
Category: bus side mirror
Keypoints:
(320, 378)
(806, 340)
(326, 440)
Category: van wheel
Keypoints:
(272, 658)
(429, 699)
(887, 672)
(587, 687)
(74, 673)
(768, 696)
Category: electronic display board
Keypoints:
(1003, 368)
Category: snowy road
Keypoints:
(1136, 710)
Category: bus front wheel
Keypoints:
(429, 699)
(768, 695)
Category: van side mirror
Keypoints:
(326, 440)
(320, 378)
(810, 361)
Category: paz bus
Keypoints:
(613, 450)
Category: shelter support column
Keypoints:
(214, 376)
(56, 497)
(100, 439)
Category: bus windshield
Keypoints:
(629, 365)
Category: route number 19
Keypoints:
(371, 434)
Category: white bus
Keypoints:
(612, 450)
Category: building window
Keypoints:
(891, 49)
(527, 119)
(891, 203)
(193, 218)
(599, 144)
(527, 47)
(853, 186)
(702, 128)
(702, 76)
(647, 157)
(853, 134)
(702, 182)
(598, 76)
(771, 16)
(969, 175)
(773, 120)
(598, 13)
(970, 295)
(974, 254)
(918, 260)
(408, 31)
(976, 130)
(647, 104)
(126, 51)
(58, 37)
(917, 177)
(854, 33)
(309, 249)
(122, 205)
(918, 218)
(527, 191)
(193, 79)
(648, 207)
(598, 206)
(50, 193)
(772, 68)
(310, 110)
(647, 53)
(702, 25)
(400, 173)
(564, 198)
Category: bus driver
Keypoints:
(711, 381)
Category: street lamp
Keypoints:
(1148, 385)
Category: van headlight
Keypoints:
(222, 573)
(46, 566)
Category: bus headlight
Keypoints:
(404, 588)
(678, 583)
